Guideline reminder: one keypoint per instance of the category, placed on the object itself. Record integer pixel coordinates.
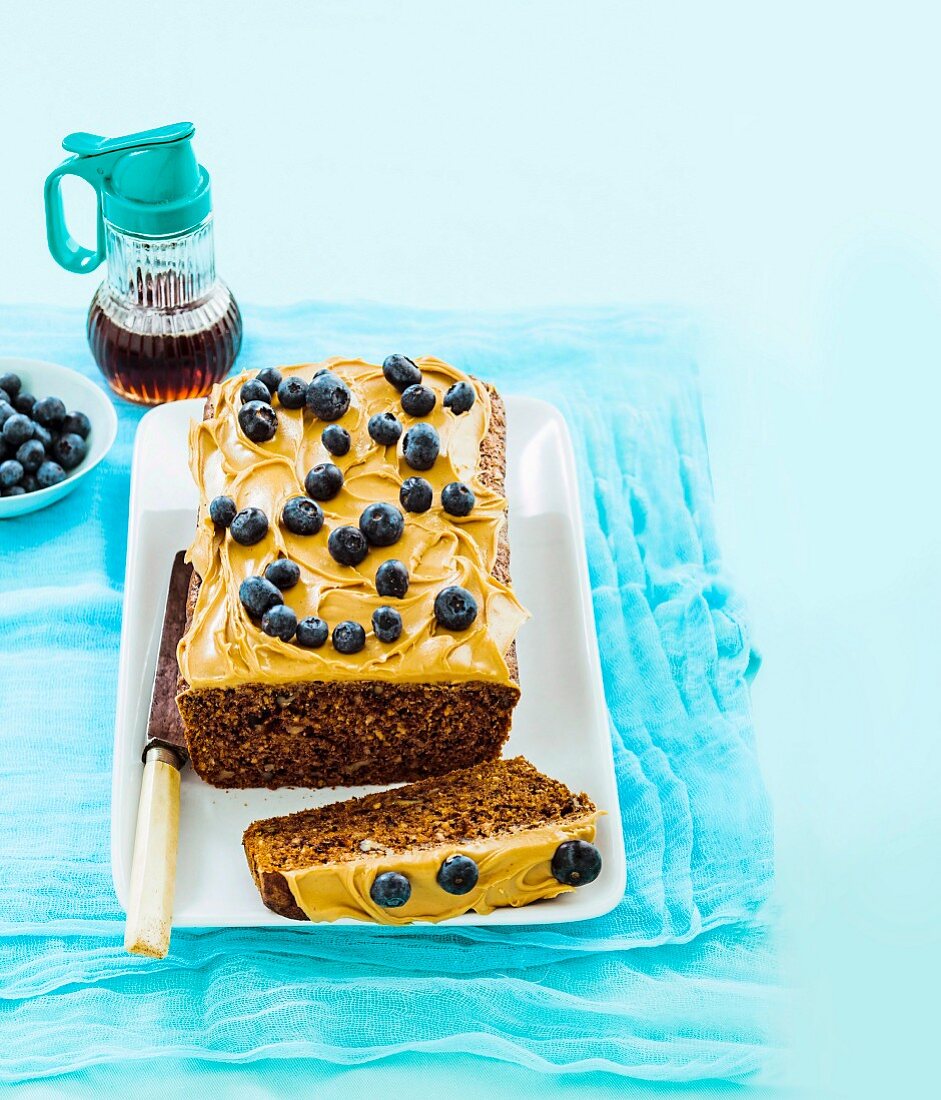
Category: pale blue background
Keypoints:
(774, 167)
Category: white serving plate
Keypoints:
(561, 723)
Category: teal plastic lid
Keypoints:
(148, 184)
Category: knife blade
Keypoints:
(153, 867)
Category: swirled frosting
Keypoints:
(224, 647)
(514, 869)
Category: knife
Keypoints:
(153, 868)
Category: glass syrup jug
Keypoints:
(161, 326)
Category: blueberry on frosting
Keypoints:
(292, 393)
(258, 596)
(458, 875)
(222, 511)
(348, 637)
(302, 516)
(270, 377)
(457, 499)
(460, 397)
(455, 608)
(387, 624)
(258, 421)
(283, 573)
(328, 396)
(392, 579)
(418, 400)
(248, 526)
(421, 446)
(416, 495)
(401, 372)
(253, 390)
(576, 863)
(336, 439)
(312, 632)
(390, 890)
(382, 524)
(347, 545)
(279, 622)
(324, 481)
(384, 429)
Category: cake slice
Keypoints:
(379, 509)
(496, 834)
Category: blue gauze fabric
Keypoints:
(676, 984)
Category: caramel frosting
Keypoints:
(224, 647)
(514, 869)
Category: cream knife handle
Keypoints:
(153, 870)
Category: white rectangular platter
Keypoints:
(561, 723)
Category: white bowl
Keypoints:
(80, 395)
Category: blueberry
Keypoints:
(418, 400)
(312, 632)
(5, 398)
(392, 579)
(258, 596)
(457, 875)
(348, 637)
(6, 411)
(13, 491)
(270, 378)
(347, 545)
(292, 393)
(416, 494)
(421, 446)
(390, 889)
(49, 473)
(387, 624)
(25, 403)
(458, 499)
(11, 473)
(382, 524)
(249, 526)
(17, 429)
(401, 372)
(31, 455)
(460, 397)
(324, 481)
(302, 516)
(68, 451)
(77, 423)
(283, 573)
(222, 511)
(336, 439)
(49, 411)
(328, 396)
(455, 608)
(384, 429)
(576, 863)
(11, 383)
(253, 390)
(279, 622)
(43, 435)
(30, 482)
(258, 421)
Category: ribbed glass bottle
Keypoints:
(162, 327)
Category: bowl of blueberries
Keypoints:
(55, 427)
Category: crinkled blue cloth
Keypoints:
(676, 984)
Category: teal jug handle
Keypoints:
(63, 246)
(93, 159)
